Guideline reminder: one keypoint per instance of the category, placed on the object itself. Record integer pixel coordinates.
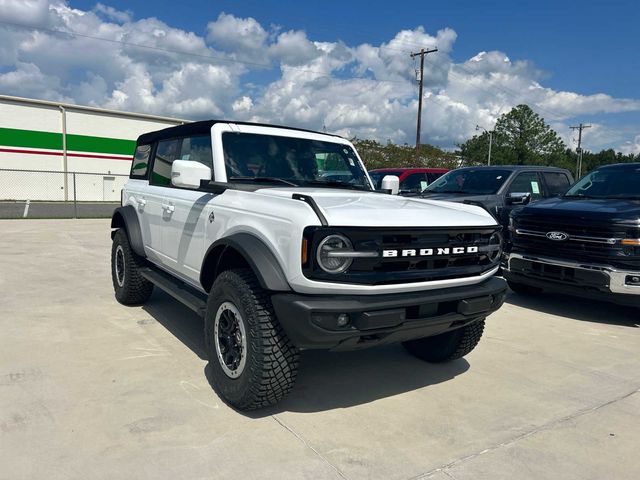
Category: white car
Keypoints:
(237, 221)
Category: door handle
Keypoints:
(141, 202)
(168, 208)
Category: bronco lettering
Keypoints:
(429, 252)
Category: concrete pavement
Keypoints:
(92, 389)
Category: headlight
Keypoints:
(495, 247)
(326, 255)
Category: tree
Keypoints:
(376, 155)
(521, 137)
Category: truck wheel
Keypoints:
(447, 346)
(522, 289)
(130, 287)
(253, 363)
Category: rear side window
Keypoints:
(166, 152)
(557, 183)
(140, 163)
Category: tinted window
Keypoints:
(140, 161)
(197, 149)
(473, 181)
(557, 183)
(376, 177)
(526, 182)
(432, 177)
(166, 153)
(416, 182)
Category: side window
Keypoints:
(416, 182)
(526, 182)
(166, 153)
(197, 149)
(557, 183)
(140, 162)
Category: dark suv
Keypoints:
(499, 189)
(585, 243)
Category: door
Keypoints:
(523, 182)
(109, 189)
(155, 213)
(186, 213)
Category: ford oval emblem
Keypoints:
(557, 236)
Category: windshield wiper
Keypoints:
(335, 183)
(265, 180)
(623, 197)
(580, 196)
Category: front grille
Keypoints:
(407, 269)
(585, 242)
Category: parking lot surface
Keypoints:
(93, 389)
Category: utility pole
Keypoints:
(490, 132)
(422, 53)
(579, 149)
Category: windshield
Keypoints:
(376, 177)
(470, 181)
(608, 183)
(291, 161)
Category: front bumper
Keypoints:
(311, 321)
(575, 278)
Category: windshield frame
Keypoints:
(622, 171)
(431, 188)
(220, 165)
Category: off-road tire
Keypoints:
(522, 289)
(271, 359)
(447, 346)
(134, 289)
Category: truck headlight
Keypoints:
(328, 254)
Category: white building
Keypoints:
(40, 141)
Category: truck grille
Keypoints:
(587, 243)
(448, 254)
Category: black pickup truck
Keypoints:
(499, 189)
(585, 242)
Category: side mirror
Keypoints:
(517, 198)
(188, 174)
(392, 183)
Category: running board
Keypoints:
(177, 289)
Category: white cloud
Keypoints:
(113, 14)
(631, 146)
(361, 90)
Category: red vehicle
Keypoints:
(412, 180)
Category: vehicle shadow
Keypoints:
(577, 308)
(331, 380)
(181, 321)
(326, 380)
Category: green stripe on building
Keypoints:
(12, 137)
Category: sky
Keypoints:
(338, 66)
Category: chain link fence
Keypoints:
(51, 194)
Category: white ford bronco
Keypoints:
(277, 238)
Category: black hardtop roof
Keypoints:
(203, 127)
(516, 167)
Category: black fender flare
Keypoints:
(255, 252)
(127, 218)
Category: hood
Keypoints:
(369, 209)
(603, 210)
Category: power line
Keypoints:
(421, 53)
